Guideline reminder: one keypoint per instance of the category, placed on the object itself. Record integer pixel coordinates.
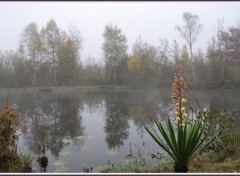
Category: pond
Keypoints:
(91, 129)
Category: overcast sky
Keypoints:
(151, 20)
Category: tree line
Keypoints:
(52, 57)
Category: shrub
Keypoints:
(10, 160)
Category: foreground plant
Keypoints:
(10, 160)
(183, 140)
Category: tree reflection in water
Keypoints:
(116, 125)
(52, 118)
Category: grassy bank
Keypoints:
(82, 88)
(201, 164)
(65, 88)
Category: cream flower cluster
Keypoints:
(177, 98)
(180, 113)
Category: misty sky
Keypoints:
(151, 20)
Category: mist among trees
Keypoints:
(50, 56)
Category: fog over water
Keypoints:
(84, 129)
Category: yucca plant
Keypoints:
(182, 144)
(184, 140)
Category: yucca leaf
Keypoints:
(182, 145)
(190, 137)
(203, 146)
(167, 138)
(163, 131)
(158, 125)
(196, 140)
(172, 137)
(191, 141)
(179, 134)
(185, 137)
(154, 135)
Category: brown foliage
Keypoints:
(9, 125)
(10, 160)
(231, 41)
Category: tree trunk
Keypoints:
(223, 69)
(192, 63)
(70, 80)
(115, 76)
(55, 78)
(193, 72)
(31, 78)
(180, 169)
(34, 76)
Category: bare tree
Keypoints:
(220, 30)
(164, 50)
(76, 36)
(190, 31)
(175, 53)
(30, 45)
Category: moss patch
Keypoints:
(111, 152)
(87, 148)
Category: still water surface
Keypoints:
(84, 129)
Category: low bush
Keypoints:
(11, 161)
